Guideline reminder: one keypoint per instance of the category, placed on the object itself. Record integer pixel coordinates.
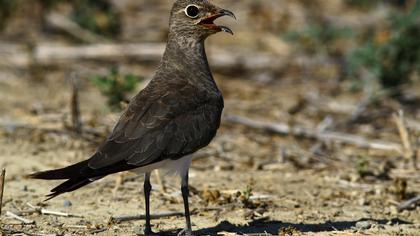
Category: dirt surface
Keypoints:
(247, 181)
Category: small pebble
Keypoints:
(67, 203)
(363, 225)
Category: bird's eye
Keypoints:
(192, 11)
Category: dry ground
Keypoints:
(293, 189)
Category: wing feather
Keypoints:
(156, 127)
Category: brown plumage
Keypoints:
(174, 116)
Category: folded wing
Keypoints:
(161, 126)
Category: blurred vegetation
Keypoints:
(390, 52)
(362, 3)
(48, 4)
(392, 55)
(115, 87)
(98, 16)
(371, 3)
(6, 9)
(363, 167)
(318, 37)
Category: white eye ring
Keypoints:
(190, 14)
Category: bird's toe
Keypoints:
(147, 232)
(185, 232)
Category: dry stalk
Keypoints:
(48, 55)
(408, 151)
(407, 204)
(75, 104)
(67, 25)
(75, 226)
(2, 178)
(44, 211)
(325, 136)
(160, 182)
(19, 218)
(119, 219)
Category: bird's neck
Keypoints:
(187, 58)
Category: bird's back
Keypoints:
(169, 119)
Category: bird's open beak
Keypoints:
(208, 21)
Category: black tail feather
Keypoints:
(77, 176)
(63, 173)
(74, 175)
(68, 186)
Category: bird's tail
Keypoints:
(68, 186)
(63, 173)
(73, 174)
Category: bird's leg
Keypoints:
(185, 192)
(147, 188)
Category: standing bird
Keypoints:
(177, 113)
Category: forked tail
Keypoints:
(74, 175)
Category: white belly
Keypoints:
(170, 167)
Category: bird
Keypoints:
(175, 115)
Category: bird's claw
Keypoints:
(185, 232)
(148, 232)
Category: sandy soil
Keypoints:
(243, 183)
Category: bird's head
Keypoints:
(194, 19)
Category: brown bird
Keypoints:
(177, 113)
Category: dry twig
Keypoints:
(75, 226)
(2, 178)
(75, 104)
(326, 136)
(90, 134)
(407, 204)
(160, 182)
(50, 54)
(119, 219)
(19, 218)
(407, 150)
(92, 229)
(65, 24)
(44, 211)
(353, 110)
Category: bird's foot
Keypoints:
(185, 232)
(148, 232)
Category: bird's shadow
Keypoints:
(273, 227)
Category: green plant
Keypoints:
(48, 4)
(245, 197)
(392, 59)
(115, 87)
(363, 167)
(247, 193)
(317, 38)
(97, 16)
(363, 4)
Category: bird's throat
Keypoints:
(187, 56)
